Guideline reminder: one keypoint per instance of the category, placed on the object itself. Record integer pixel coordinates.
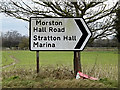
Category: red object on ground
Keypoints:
(84, 76)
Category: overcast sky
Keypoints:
(8, 23)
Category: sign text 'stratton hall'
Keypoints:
(58, 33)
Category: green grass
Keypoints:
(28, 58)
(100, 57)
(6, 59)
(92, 61)
(56, 69)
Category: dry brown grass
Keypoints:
(104, 71)
(59, 77)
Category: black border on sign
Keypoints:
(55, 50)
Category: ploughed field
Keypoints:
(56, 67)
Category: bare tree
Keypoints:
(94, 13)
(117, 24)
(97, 14)
(117, 27)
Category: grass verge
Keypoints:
(50, 77)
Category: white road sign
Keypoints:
(58, 34)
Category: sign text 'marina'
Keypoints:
(58, 33)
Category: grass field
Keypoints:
(100, 64)
(60, 58)
(6, 60)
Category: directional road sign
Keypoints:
(58, 34)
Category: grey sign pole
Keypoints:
(37, 60)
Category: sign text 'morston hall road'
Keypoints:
(58, 33)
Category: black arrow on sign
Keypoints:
(84, 33)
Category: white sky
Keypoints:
(8, 23)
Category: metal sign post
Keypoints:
(59, 34)
(37, 60)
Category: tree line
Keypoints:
(113, 42)
(13, 39)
